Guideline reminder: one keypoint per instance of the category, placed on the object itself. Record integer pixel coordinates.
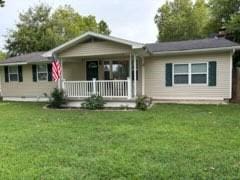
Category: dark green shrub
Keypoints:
(94, 102)
(57, 98)
(142, 103)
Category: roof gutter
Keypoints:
(13, 64)
(196, 51)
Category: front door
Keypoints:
(92, 70)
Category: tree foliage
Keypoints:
(2, 3)
(3, 55)
(222, 12)
(40, 29)
(182, 20)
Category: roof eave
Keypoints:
(196, 51)
(13, 64)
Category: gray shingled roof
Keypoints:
(26, 58)
(190, 45)
(153, 48)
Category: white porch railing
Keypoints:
(104, 88)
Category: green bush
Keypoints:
(94, 102)
(142, 103)
(57, 98)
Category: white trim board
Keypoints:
(26, 99)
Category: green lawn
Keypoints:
(168, 141)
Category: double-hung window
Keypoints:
(199, 73)
(181, 74)
(196, 73)
(13, 73)
(42, 72)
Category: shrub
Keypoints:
(94, 102)
(57, 98)
(142, 102)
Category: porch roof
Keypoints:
(82, 38)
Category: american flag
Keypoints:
(56, 70)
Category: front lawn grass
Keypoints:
(165, 142)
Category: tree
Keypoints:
(182, 20)
(40, 29)
(67, 24)
(32, 33)
(2, 55)
(225, 13)
(221, 12)
(2, 3)
(103, 28)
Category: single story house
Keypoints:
(119, 69)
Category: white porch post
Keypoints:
(94, 86)
(130, 77)
(143, 76)
(61, 77)
(129, 85)
(135, 75)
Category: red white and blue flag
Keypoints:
(56, 70)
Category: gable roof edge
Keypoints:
(134, 45)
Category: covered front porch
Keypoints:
(103, 65)
(112, 77)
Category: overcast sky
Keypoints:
(130, 19)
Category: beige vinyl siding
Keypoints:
(74, 71)
(27, 88)
(155, 78)
(95, 49)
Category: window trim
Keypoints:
(207, 74)
(42, 73)
(190, 74)
(9, 73)
(173, 74)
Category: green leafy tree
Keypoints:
(225, 13)
(222, 11)
(2, 3)
(40, 29)
(67, 24)
(103, 28)
(2, 55)
(182, 20)
(32, 32)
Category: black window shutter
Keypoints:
(34, 73)
(6, 73)
(168, 74)
(20, 75)
(212, 73)
(49, 66)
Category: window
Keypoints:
(196, 73)
(181, 73)
(42, 72)
(199, 73)
(107, 70)
(120, 70)
(117, 70)
(13, 73)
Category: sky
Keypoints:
(129, 19)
